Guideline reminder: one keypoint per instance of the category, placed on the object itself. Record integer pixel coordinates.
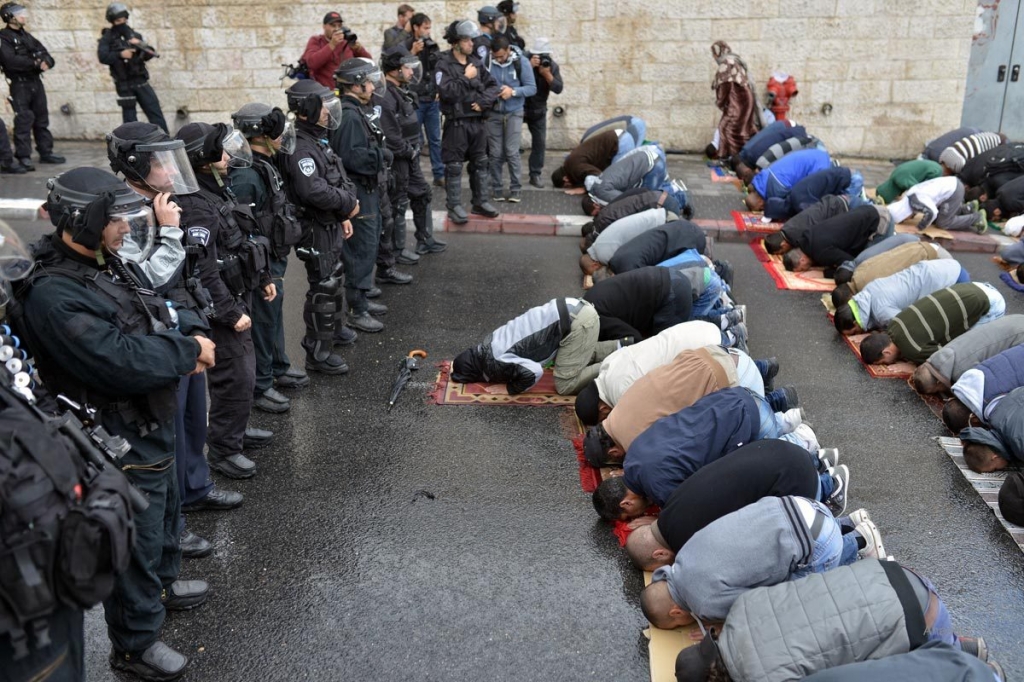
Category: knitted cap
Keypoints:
(952, 159)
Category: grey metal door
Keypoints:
(994, 97)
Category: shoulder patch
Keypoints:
(199, 235)
(481, 50)
(307, 166)
(437, 77)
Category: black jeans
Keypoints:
(268, 331)
(146, 98)
(537, 122)
(6, 155)
(189, 438)
(31, 117)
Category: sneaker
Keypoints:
(873, 537)
(407, 257)
(733, 317)
(184, 595)
(51, 158)
(792, 397)
(997, 670)
(836, 502)
(791, 419)
(374, 292)
(807, 439)
(738, 336)
(158, 662)
(771, 370)
(830, 458)
(981, 224)
(499, 195)
(515, 196)
(365, 323)
(858, 517)
(430, 245)
(536, 182)
(724, 270)
(975, 646)
(971, 207)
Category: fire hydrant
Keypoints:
(781, 87)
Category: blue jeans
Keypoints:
(429, 114)
(709, 303)
(1014, 253)
(830, 547)
(631, 138)
(655, 177)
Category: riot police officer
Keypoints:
(492, 22)
(510, 8)
(101, 336)
(359, 141)
(467, 91)
(23, 59)
(126, 53)
(233, 265)
(325, 197)
(402, 131)
(261, 187)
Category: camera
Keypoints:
(349, 35)
(545, 61)
(427, 42)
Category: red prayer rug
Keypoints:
(812, 280)
(752, 222)
(447, 391)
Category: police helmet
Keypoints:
(463, 28)
(83, 200)
(257, 119)
(508, 7)
(206, 143)
(306, 98)
(116, 10)
(8, 10)
(134, 149)
(488, 14)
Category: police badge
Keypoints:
(307, 166)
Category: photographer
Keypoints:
(23, 59)
(324, 53)
(126, 53)
(399, 33)
(549, 79)
(421, 45)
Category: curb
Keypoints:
(21, 209)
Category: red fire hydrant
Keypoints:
(781, 87)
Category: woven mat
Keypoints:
(987, 486)
(900, 370)
(664, 645)
(446, 391)
(752, 222)
(812, 280)
(719, 174)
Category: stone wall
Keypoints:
(893, 72)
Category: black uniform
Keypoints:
(536, 115)
(21, 56)
(261, 187)
(426, 89)
(402, 131)
(513, 37)
(482, 49)
(465, 136)
(131, 77)
(231, 266)
(359, 142)
(386, 244)
(318, 185)
(103, 341)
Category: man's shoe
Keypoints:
(486, 209)
(830, 460)
(536, 182)
(975, 646)
(738, 336)
(431, 245)
(215, 500)
(236, 466)
(256, 438)
(26, 163)
(458, 215)
(193, 546)
(393, 276)
(769, 369)
(185, 594)
(344, 336)
(13, 169)
(333, 365)
(515, 196)
(407, 257)
(791, 419)
(373, 293)
(805, 437)
(51, 158)
(735, 316)
(981, 224)
(782, 399)
(997, 670)
(376, 309)
(366, 323)
(873, 537)
(836, 502)
(158, 663)
(292, 378)
(498, 196)
(438, 182)
(858, 516)
(272, 401)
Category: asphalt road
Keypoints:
(454, 543)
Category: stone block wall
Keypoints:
(893, 72)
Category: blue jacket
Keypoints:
(518, 75)
(676, 446)
(776, 181)
(770, 135)
(813, 189)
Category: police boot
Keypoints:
(480, 185)
(318, 343)
(158, 662)
(343, 334)
(403, 256)
(453, 190)
(423, 219)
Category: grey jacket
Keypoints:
(977, 345)
(624, 230)
(933, 662)
(626, 173)
(794, 629)
(761, 544)
(884, 299)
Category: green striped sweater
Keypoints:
(937, 319)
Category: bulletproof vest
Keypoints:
(328, 166)
(277, 221)
(122, 70)
(370, 119)
(242, 253)
(408, 120)
(24, 45)
(65, 525)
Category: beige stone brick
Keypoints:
(933, 91)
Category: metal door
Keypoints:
(994, 96)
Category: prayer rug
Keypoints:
(752, 222)
(812, 280)
(934, 401)
(987, 486)
(447, 391)
(719, 174)
(900, 370)
(664, 646)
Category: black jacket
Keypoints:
(113, 41)
(400, 123)
(816, 186)
(316, 178)
(628, 302)
(1010, 198)
(797, 226)
(21, 54)
(537, 105)
(426, 89)
(1006, 158)
(839, 239)
(458, 93)
(360, 143)
(657, 245)
(630, 202)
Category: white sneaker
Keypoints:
(790, 419)
(829, 457)
(869, 531)
(806, 437)
(859, 516)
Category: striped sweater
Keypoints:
(937, 319)
(957, 154)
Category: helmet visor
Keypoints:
(140, 235)
(15, 261)
(467, 29)
(286, 143)
(332, 112)
(500, 24)
(412, 71)
(169, 168)
(380, 84)
(238, 150)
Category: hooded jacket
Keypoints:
(981, 387)
(626, 173)
(517, 74)
(762, 544)
(885, 298)
(776, 181)
(976, 345)
(674, 447)
(814, 188)
(905, 176)
(658, 245)
(627, 303)
(515, 353)
(1005, 434)
(787, 146)
(767, 137)
(935, 320)
(591, 157)
(1006, 158)
(934, 148)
